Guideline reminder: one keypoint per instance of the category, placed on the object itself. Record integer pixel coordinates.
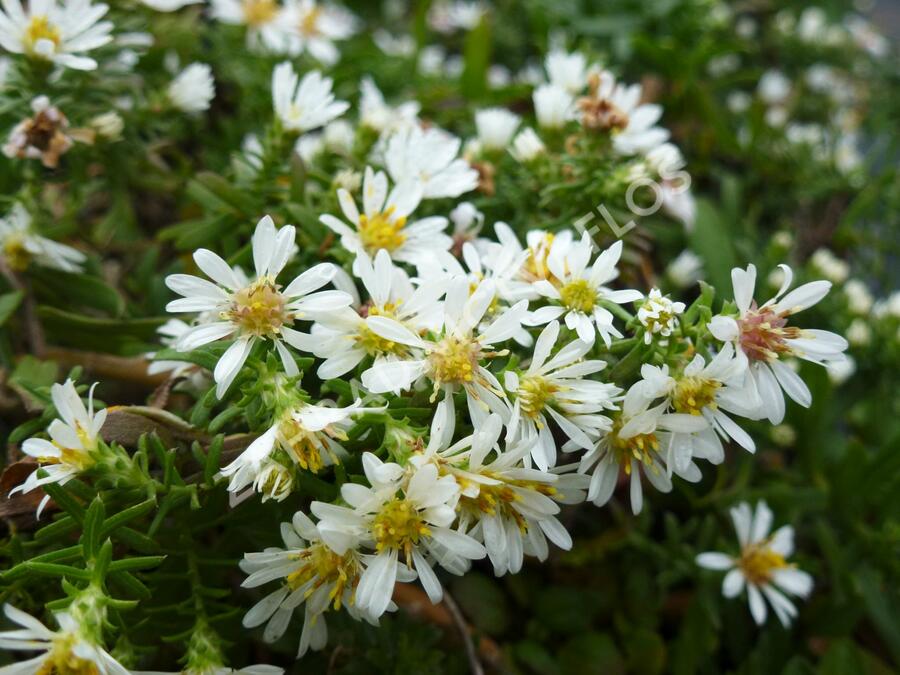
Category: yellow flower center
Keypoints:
(61, 660)
(371, 342)
(535, 267)
(259, 12)
(259, 309)
(639, 447)
(320, 565)
(758, 561)
(382, 231)
(498, 498)
(579, 295)
(665, 316)
(40, 28)
(534, 393)
(306, 447)
(454, 361)
(399, 526)
(692, 394)
(309, 22)
(15, 253)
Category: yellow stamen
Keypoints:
(382, 231)
(758, 561)
(579, 295)
(40, 28)
(692, 394)
(399, 526)
(320, 565)
(259, 12)
(259, 309)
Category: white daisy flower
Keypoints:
(617, 108)
(314, 27)
(253, 310)
(567, 70)
(527, 146)
(557, 388)
(398, 516)
(73, 441)
(659, 315)
(66, 650)
(429, 157)
(553, 106)
(496, 127)
(267, 28)
(705, 390)
(344, 338)
(633, 443)
(762, 565)
(302, 105)
(311, 574)
(20, 245)
(579, 290)
(456, 357)
(510, 508)
(383, 223)
(193, 88)
(55, 31)
(375, 113)
(308, 434)
(762, 333)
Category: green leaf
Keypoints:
(90, 533)
(9, 302)
(127, 337)
(69, 290)
(136, 563)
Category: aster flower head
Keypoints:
(578, 291)
(405, 517)
(304, 104)
(763, 334)
(251, 310)
(384, 223)
(193, 88)
(313, 27)
(59, 32)
(73, 444)
(639, 440)
(616, 108)
(509, 507)
(42, 136)
(267, 28)
(567, 70)
(527, 146)
(308, 435)
(430, 158)
(20, 245)
(557, 388)
(496, 127)
(69, 649)
(554, 106)
(455, 357)
(659, 316)
(761, 567)
(345, 339)
(311, 575)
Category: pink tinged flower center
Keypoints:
(640, 447)
(758, 562)
(535, 393)
(454, 360)
(319, 566)
(579, 295)
(40, 28)
(259, 12)
(764, 334)
(62, 660)
(259, 309)
(693, 394)
(399, 526)
(382, 231)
